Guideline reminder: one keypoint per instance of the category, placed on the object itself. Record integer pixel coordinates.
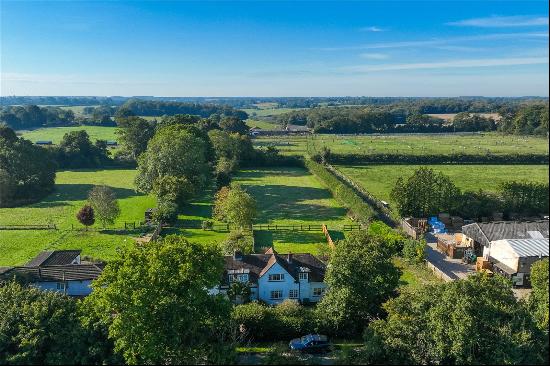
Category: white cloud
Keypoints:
(502, 22)
(372, 28)
(449, 64)
(441, 41)
(374, 56)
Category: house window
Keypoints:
(276, 277)
(303, 276)
(277, 294)
(293, 294)
(318, 291)
(238, 278)
(61, 286)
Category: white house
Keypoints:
(274, 277)
(60, 270)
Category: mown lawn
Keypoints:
(379, 180)
(292, 196)
(55, 134)
(60, 207)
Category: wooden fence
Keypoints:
(329, 239)
(28, 227)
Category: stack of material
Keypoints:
(457, 222)
(445, 218)
(483, 264)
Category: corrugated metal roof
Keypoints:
(528, 247)
(485, 233)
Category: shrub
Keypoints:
(413, 250)
(165, 212)
(207, 224)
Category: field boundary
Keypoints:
(465, 159)
(28, 227)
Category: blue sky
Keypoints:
(280, 48)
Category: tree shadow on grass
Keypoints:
(79, 192)
(281, 202)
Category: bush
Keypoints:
(413, 250)
(282, 322)
(238, 240)
(438, 159)
(165, 212)
(207, 225)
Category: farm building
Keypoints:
(44, 142)
(274, 277)
(480, 235)
(60, 270)
(513, 258)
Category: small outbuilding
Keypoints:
(513, 258)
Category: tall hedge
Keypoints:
(363, 212)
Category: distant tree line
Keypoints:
(60, 100)
(32, 116)
(159, 108)
(528, 118)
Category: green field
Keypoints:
(419, 144)
(264, 125)
(60, 207)
(380, 179)
(56, 134)
(268, 112)
(292, 196)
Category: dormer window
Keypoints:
(303, 276)
(238, 277)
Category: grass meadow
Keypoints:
(412, 144)
(292, 196)
(380, 179)
(55, 134)
(60, 208)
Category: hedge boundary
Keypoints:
(363, 211)
(530, 159)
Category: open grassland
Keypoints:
(55, 134)
(264, 125)
(268, 112)
(60, 208)
(412, 144)
(195, 213)
(292, 196)
(380, 179)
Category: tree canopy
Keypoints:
(155, 303)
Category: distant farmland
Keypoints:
(450, 116)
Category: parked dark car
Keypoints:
(311, 343)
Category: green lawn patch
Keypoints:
(60, 207)
(55, 134)
(292, 196)
(414, 275)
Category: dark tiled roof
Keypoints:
(258, 264)
(485, 233)
(70, 272)
(53, 258)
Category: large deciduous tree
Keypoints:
(39, 327)
(173, 155)
(360, 278)
(235, 206)
(155, 303)
(27, 171)
(426, 192)
(134, 134)
(471, 321)
(103, 201)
